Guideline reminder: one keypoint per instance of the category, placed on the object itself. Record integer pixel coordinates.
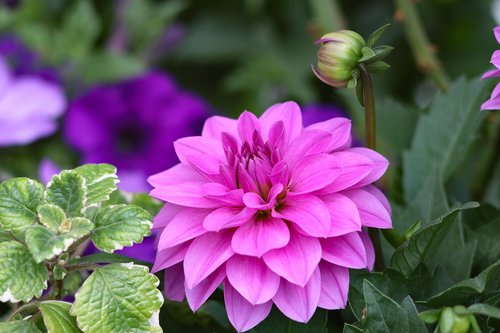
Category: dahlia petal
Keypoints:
(186, 225)
(200, 293)
(491, 104)
(355, 167)
(289, 114)
(174, 283)
(309, 214)
(255, 201)
(205, 254)
(257, 237)
(220, 193)
(297, 261)
(169, 257)
(196, 145)
(314, 173)
(370, 251)
(334, 286)
(276, 136)
(216, 125)
(347, 250)
(185, 194)
(243, 315)
(247, 125)
(206, 165)
(380, 165)
(491, 73)
(165, 215)
(496, 91)
(252, 278)
(308, 143)
(344, 214)
(177, 174)
(495, 59)
(299, 303)
(339, 128)
(496, 31)
(380, 196)
(372, 210)
(227, 217)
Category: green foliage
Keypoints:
(57, 318)
(118, 298)
(43, 231)
(19, 199)
(120, 225)
(277, 322)
(21, 277)
(442, 136)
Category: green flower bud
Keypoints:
(338, 57)
(455, 320)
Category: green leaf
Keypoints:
(44, 244)
(107, 258)
(415, 325)
(383, 314)
(422, 244)
(485, 310)
(487, 280)
(79, 30)
(390, 282)
(67, 190)
(118, 298)
(367, 54)
(146, 202)
(119, 226)
(100, 181)
(109, 67)
(51, 216)
(19, 198)
(378, 67)
(374, 37)
(57, 318)
(443, 135)
(277, 322)
(21, 278)
(351, 329)
(19, 326)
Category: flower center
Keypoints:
(130, 139)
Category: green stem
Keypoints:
(370, 140)
(393, 238)
(424, 55)
(31, 307)
(328, 15)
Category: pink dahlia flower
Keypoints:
(493, 103)
(270, 210)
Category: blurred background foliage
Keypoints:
(250, 54)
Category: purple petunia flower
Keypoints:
(133, 124)
(270, 209)
(493, 103)
(29, 107)
(314, 113)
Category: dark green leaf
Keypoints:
(487, 280)
(423, 243)
(415, 325)
(351, 329)
(374, 37)
(107, 258)
(277, 322)
(57, 318)
(485, 310)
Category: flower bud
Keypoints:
(338, 57)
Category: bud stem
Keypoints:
(370, 141)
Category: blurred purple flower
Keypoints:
(46, 169)
(314, 113)
(24, 61)
(493, 103)
(29, 107)
(133, 124)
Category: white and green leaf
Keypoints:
(100, 179)
(19, 326)
(118, 298)
(67, 190)
(120, 225)
(21, 278)
(19, 198)
(51, 216)
(44, 244)
(57, 318)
